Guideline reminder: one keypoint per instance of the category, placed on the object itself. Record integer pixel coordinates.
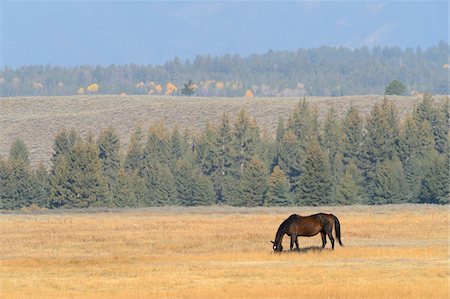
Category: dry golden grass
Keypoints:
(36, 120)
(217, 252)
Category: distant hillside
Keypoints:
(36, 120)
(324, 71)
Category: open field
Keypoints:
(36, 120)
(221, 252)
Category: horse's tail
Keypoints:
(337, 227)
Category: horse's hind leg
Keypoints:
(330, 235)
(324, 239)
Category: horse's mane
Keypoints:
(284, 225)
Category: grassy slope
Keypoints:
(220, 252)
(36, 120)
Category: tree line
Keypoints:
(324, 71)
(337, 161)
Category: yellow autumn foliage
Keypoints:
(249, 93)
(81, 90)
(93, 87)
(140, 85)
(158, 88)
(170, 88)
(220, 85)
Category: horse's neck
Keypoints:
(280, 233)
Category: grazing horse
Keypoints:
(308, 226)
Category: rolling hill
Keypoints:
(36, 120)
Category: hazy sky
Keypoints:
(72, 33)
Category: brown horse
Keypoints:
(308, 226)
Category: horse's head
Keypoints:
(277, 247)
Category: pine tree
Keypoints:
(78, 181)
(253, 184)
(291, 158)
(20, 179)
(225, 158)
(332, 143)
(434, 185)
(6, 187)
(134, 158)
(40, 181)
(390, 183)
(302, 122)
(380, 142)
(178, 145)
(347, 191)
(315, 182)
(352, 129)
(160, 183)
(63, 145)
(124, 193)
(19, 151)
(61, 184)
(93, 186)
(109, 155)
(207, 151)
(278, 192)
(158, 143)
(246, 140)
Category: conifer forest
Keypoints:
(341, 160)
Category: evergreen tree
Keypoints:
(315, 182)
(160, 183)
(40, 181)
(93, 187)
(63, 145)
(230, 190)
(77, 181)
(134, 158)
(380, 142)
(278, 192)
(207, 151)
(6, 186)
(20, 180)
(434, 185)
(352, 129)
(350, 189)
(395, 88)
(124, 192)
(178, 145)
(61, 184)
(19, 151)
(109, 155)
(246, 141)
(225, 157)
(303, 123)
(253, 184)
(158, 143)
(291, 158)
(332, 143)
(390, 183)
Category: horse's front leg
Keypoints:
(324, 239)
(296, 243)
(293, 237)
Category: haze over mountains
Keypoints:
(106, 32)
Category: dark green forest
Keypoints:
(324, 71)
(338, 161)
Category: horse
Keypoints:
(308, 226)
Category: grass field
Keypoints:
(36, 120)
(221, 252)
